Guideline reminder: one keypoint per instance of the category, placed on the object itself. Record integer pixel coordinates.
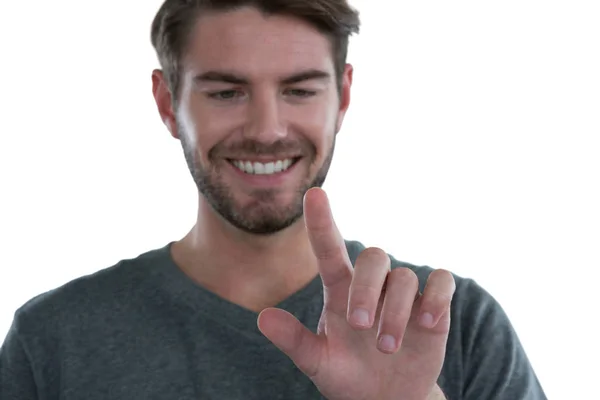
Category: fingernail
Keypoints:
(360, 317)
(426, 320)
(387, 343)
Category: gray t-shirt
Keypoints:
(142, 330)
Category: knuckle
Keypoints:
(437, 299)
(328, 254)
(328, 250)
(395, 319)
(362, 292)
(441, 282)
(367, 301)
(396, 315)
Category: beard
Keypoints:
(262, 216)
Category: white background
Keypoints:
(472, 144)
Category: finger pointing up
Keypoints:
(330, 250)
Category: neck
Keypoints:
(253, 271)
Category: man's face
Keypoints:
(258, 114)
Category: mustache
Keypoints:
(256, 148)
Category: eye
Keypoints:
(226, 95)
(301, 92)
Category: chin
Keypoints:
(265, 221)
(266, 212)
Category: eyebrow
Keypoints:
(228, 77)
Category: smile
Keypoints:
(259, 168)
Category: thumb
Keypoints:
(291, 337)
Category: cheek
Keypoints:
(206, 127)
(317, 122)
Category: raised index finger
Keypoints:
(328, 246)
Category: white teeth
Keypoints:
(259, 168)
(269, 168)
(263, 168)
(278, 166)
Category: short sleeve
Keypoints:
(496, 366)
(16, 373)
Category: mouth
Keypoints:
(271, 167)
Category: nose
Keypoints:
(264, 119)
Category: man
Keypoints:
(256, 92)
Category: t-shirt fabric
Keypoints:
(142, 329)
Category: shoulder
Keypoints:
(88, 296)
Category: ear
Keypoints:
(164, 101)
(344, 95)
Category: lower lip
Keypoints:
(265, 180)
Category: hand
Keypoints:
(391, 350)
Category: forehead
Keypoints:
(256, 45)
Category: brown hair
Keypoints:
(176, 18)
